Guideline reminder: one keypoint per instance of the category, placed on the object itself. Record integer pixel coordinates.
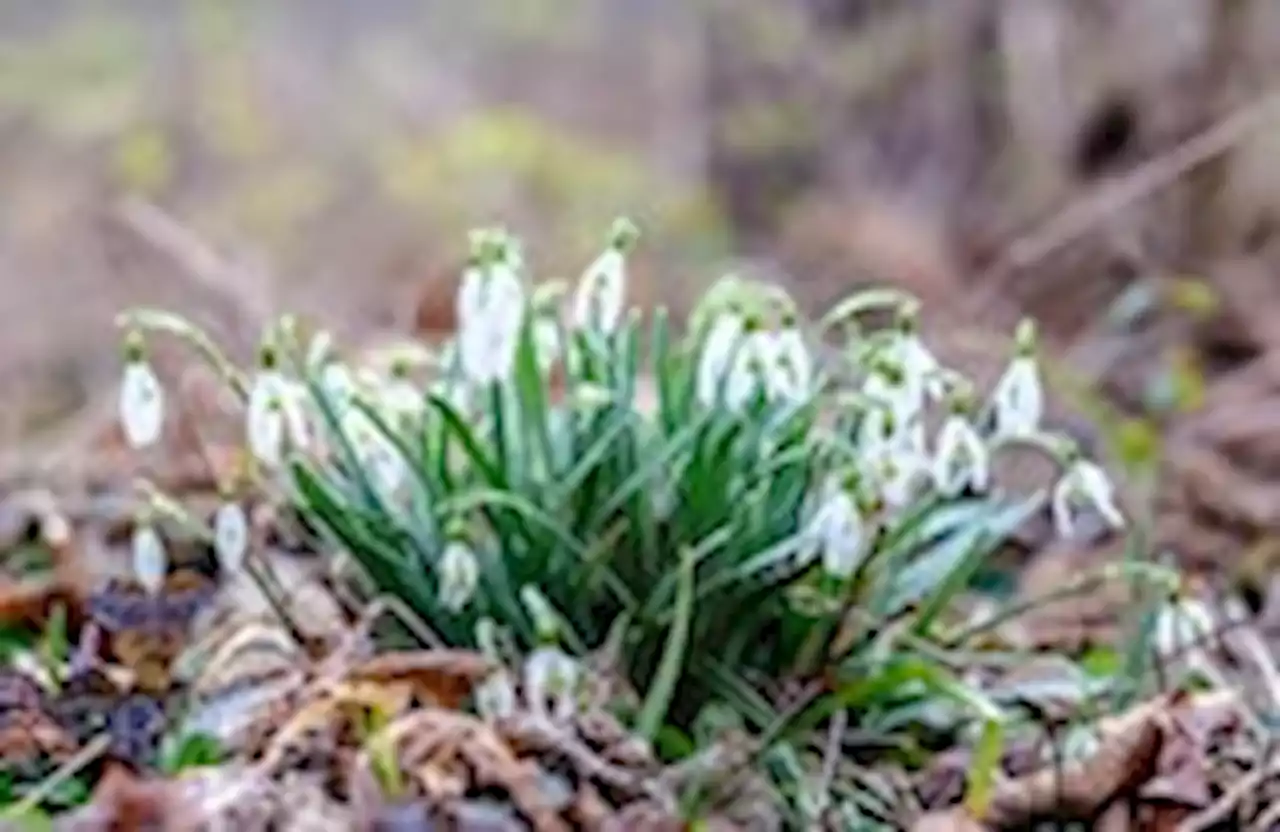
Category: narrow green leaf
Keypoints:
(671, 666)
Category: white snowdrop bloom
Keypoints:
(838, 532)
(150, 561)
(141, 404)
(488, 338)
(897, 465)
(230, 537)
(546, 342)
(888, 387)
(601, 292)
(1083, 486)
(791, 374)
(471, 296)
(265, 418)
(551, 679)
(401, 400)
(1018, 397)
(339, 385)
(921, 370)
(717, 354)
(375, 453)
(960, 459)
(546, 622)
(495, 697)
(746, 378)
(1183, 627)
(293, 403)
(459, 576)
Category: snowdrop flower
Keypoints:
(491, 309)
(375, 453)
(1018, 398)
(546, 342)
(141, 397)
(922, 373)
(887, 385)
(961, 457)
(723, 337)
(551, 680)
(265, 426)
(899, 474)
(339, 385)
(838, 532)
(459, 576)
(495, 697)
(790, 373)
(230, 537)
(276, 412)
(1084, 485)
(150, 561)
(1183, 628)
(401, 400)
(598, 302)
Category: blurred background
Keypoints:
(1108, 166)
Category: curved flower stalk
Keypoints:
(601, 294)
(141, 405)
(1083, 486)
(1018, 398)
(150, 560)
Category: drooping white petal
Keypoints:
(921, 370)
(265, 419)
(903, 402)
(1018, 399)
(551, 680)
(293, 408)
(1084, 486)
(488, 338)
(961, 458)
(601, 292)
(1096, 488)
(339, 385)
(715, 360)
(141, 405)
(792, 375)
(230, 537)
(150, 561)
(1182, 627)
(402, 401)
(837, 529)
(459, 576)
(546, 342)
(495, 697)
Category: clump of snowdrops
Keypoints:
(735, 507)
